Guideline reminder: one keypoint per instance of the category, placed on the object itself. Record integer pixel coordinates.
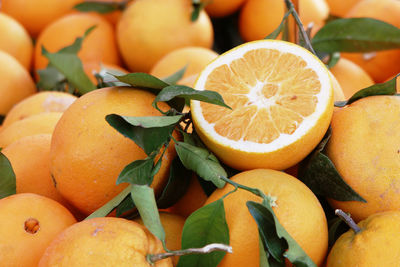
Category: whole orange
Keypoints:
(296, 207)
(87, 154)
(364, 147)
(99, 45)
(149, 29)
(222, 8)
(103, 242)
(28, 223)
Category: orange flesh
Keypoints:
(270, 93)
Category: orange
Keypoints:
(15, 82)
(48, 101)
(276, 119)
(351, 77)
(28, 223)
(87, 154)
(194, 58)
(192, 200)
(364, 147)
(99, 45)
(295, 206)
(30, 160)
(384, 64)
(104, 242)
(150, 29)
(36, 15)
(15, 40)
(42, 123)
(222, 8)
(173, 227)
(340, 8)
(113, 16)
(259, 18)
(377, 244)
(338, 94)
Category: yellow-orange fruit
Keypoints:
(222, 8)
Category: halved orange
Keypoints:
(281, 97)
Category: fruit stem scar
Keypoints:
(348, 220)
(31, 226)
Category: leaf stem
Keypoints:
(152, 258)
(255, 191)
(303, 33)
(348, 220)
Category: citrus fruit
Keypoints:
(87, 154)
(338, 94)
(295, 206)
(15, 40)
(153, 28)
(36, 15)
(351, 77)
(42, 123)
(222, 8)
(194, 58)
(99, 45)
(15, 82)
(377, 244)
(28, 223)
(383, 64)
(364, 147)
(340, 8)
(30, 160)
(276, 118)
(46, 101)
(103, 242)
(113, 16)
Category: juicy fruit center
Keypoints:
(32, 226)
(271, 93)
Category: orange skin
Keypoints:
(98, 46)
(222, 8)
(43, 219)
(87, 154)
(16, 40)
(169, 20)
(340, 8)
(298, 210)
(36, 15)
(364, 149)
(46, 101)
(104, 242)
(15, 82)
(380, 65)
(42, 123)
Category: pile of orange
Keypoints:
(66, 157)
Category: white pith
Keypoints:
(324, 97)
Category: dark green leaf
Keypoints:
(174, 78)
(106, 77)
(356, 35)
(197, 7)
(99, 7)
(177, 185)
(150, 133)
(125, 206)
(294, 253)
(50, 79)
(263, 255)
(337, 227)
(137, 172)
(205, 226)
(387, 88)
(201, 161)
(277, 31)
(143, 80)
(143, 197)
(333, 59)
(187, 93)
(192, 139)
(110, 205)
(319, 173)
(7, 177)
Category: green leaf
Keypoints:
(150, 133)
(386, 88)
(175, 77)
(143, 197)
(356, 35)
(197, 7)
(333, 59)
(50, 79)
(125, 206)
(319, 173)
(7, 177)
(337, 227)
(263, 214)
(187, 93)
(205, 226)
(110, 205)
(106, 77)
(277, 31)
(177, 185)
(137, 172)
(201, 161)
(99, 7)
(263, 255)
(143, 80)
